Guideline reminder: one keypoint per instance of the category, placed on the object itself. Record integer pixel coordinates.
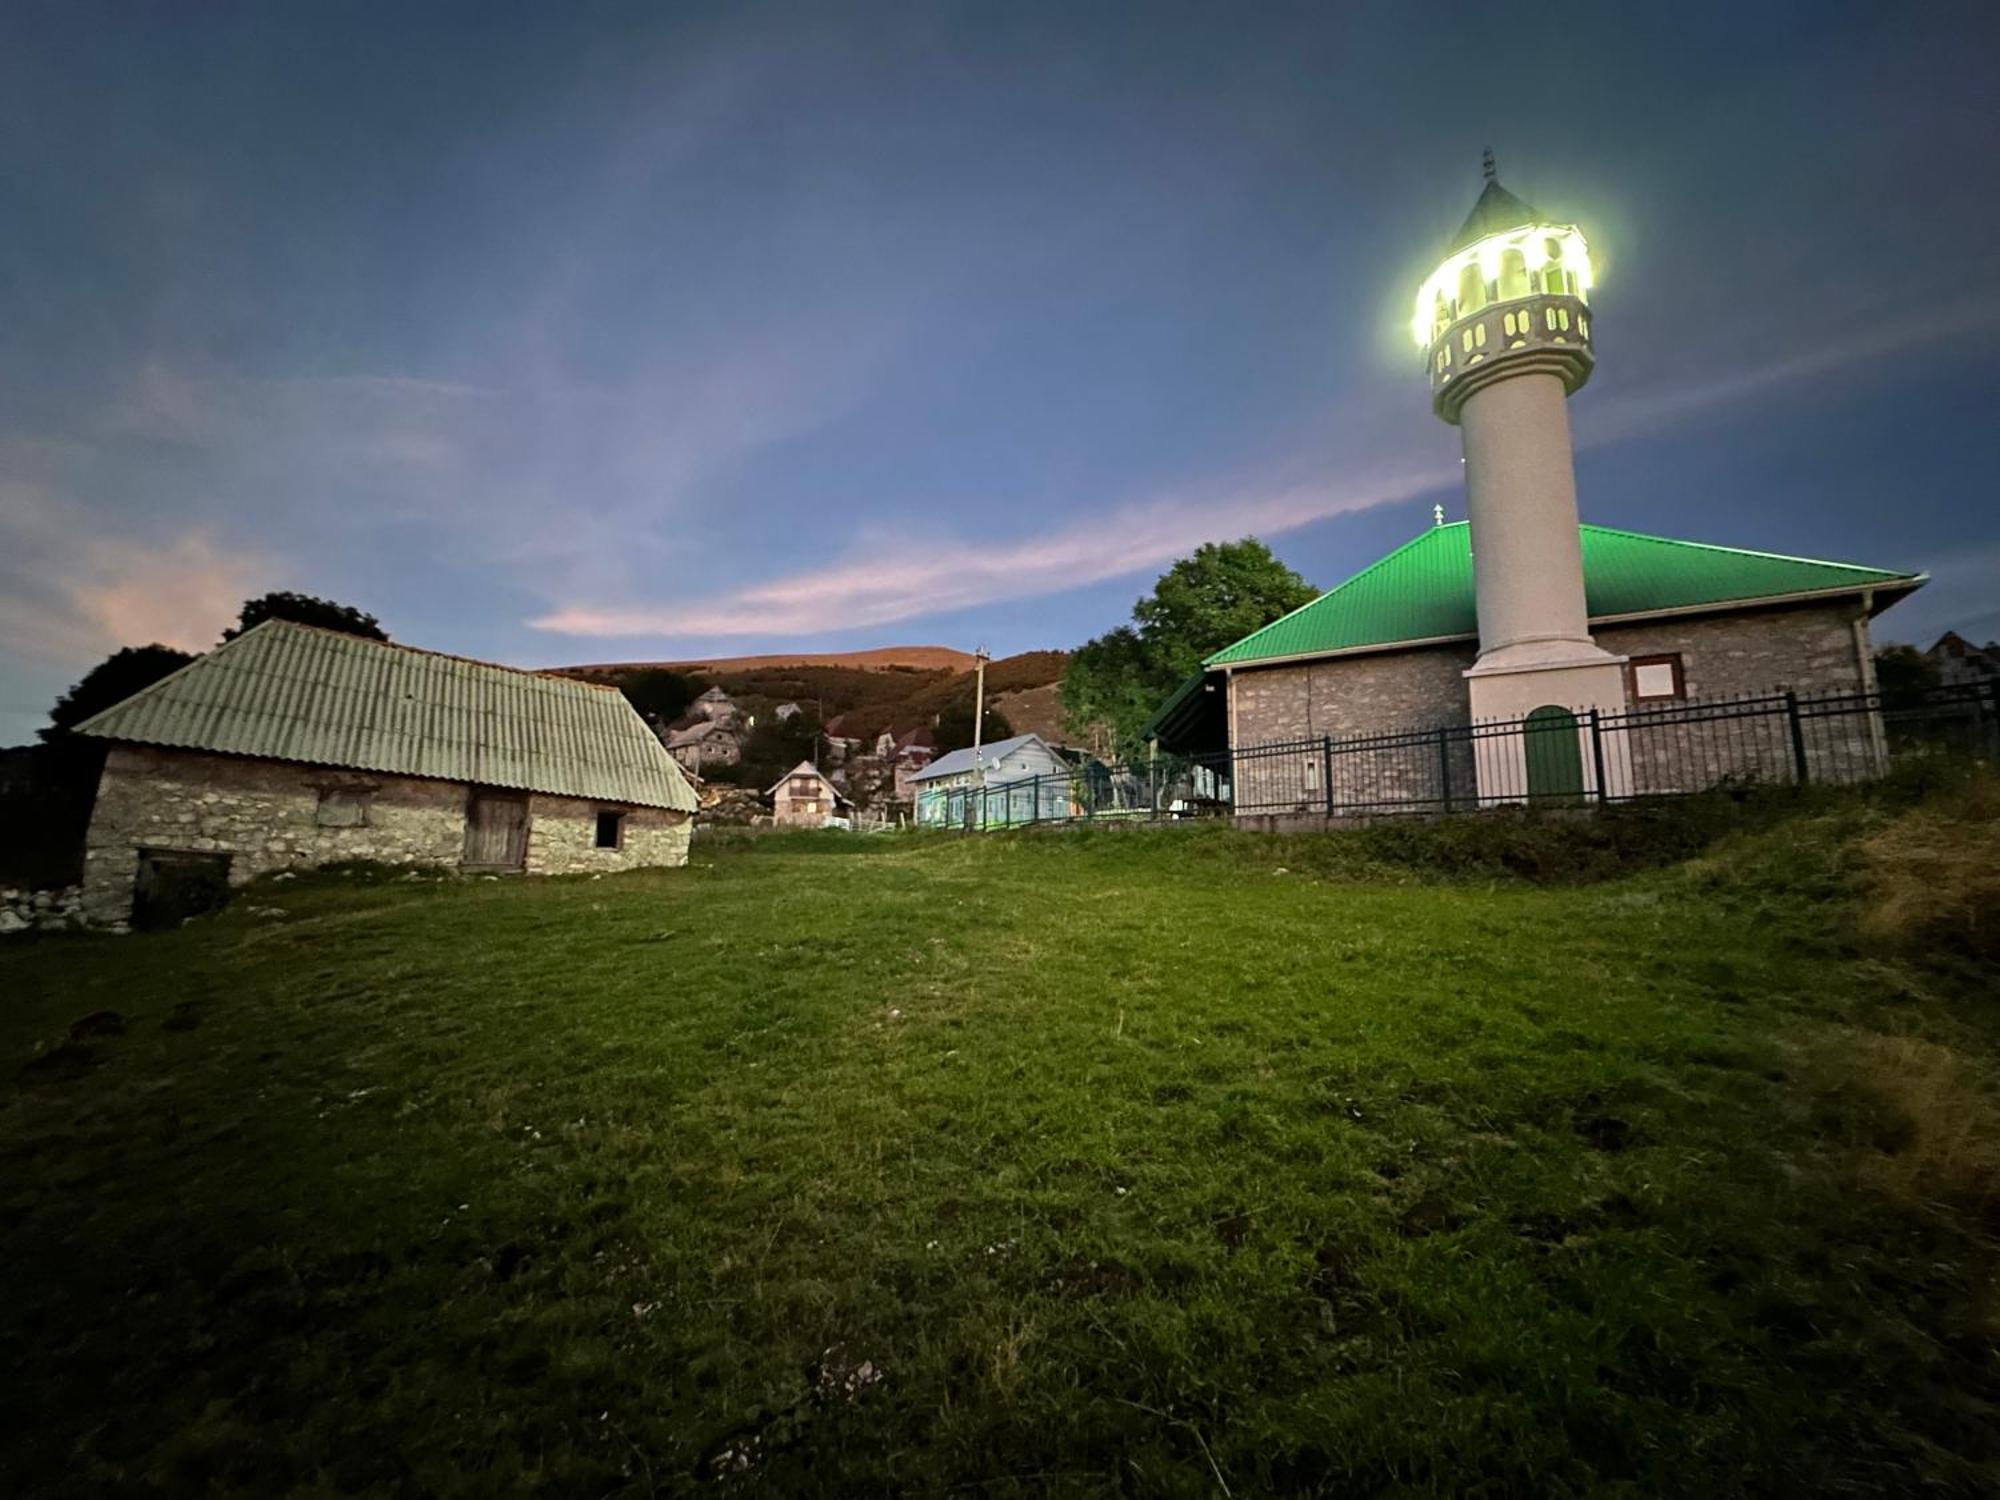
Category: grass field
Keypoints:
(1169, 1162)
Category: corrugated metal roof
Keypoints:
(1423, 590)
(959, 761)
(294, 692)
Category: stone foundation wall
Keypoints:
(266, 816)
(47, 910)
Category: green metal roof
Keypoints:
(1423, 590)
(294, 692)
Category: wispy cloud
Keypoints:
(904, 582)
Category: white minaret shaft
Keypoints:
(1520, 490)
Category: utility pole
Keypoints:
(978, 782)
(978, 712)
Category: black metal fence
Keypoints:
(1553, 756)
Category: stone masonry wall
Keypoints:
(1350, 697)
(562, 832)
(1807, 650)
(265, 816)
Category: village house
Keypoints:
(915, 749)
(805, 798)
(1021, 779)
(1960, 663)
(291, 747)
(705, 743)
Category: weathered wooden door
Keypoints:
(496, 831)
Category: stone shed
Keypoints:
(291, 747)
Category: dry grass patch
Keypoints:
(1952, 1147)
(1933, 874)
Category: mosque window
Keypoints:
(1549, 318)
(1465, 338)
(1583, 325)
(1656, 677)
(1479, 335)
(1513, 275)
(1508, 322)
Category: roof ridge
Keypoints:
(553, 674)
(1791, 557)
(1325, 594)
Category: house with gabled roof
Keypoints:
(804, 797)
(966, 784)
(291, 746)
(1388, 650)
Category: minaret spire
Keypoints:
(1486, 166)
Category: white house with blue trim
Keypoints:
(1018, 780)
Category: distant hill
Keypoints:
(919, 658)
(896, 687)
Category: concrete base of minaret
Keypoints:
(1565, 696)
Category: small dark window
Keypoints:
(610, 830)
(342, 807)
(1655, 678)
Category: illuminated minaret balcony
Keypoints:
(1512, 294)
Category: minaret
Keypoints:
(1505, 324)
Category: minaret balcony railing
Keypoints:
(1543, 332)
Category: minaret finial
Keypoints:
(1486, 165)
(1437, 515)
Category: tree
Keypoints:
(1904, 674)
(305, 609)
(770, 750)
(1222, 593)
(659, 694)
(112, 680)
(954, 727)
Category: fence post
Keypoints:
(1798, 737)
(1326, 770)
(1444, 766)
(1597, 757)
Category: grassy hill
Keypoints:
(1166, 1162)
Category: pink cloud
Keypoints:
(75, 594)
